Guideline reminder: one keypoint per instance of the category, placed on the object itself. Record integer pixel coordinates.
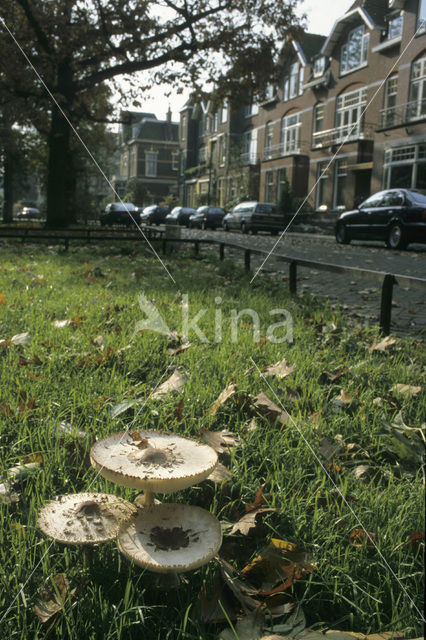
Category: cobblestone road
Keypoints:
(358, 297)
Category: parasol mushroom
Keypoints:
(152, 461)
(84, 519)
(170, 538)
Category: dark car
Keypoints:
(207, 218)
(180, 215)
(119, 213)
(251, 217)
(29, 213)
(154, 214)
(397, 216)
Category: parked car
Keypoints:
(207, 218)
(251, 217)
(397, 216)
(154, 214)
(119, 213)
(29, 213)
(180, 216)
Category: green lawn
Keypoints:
(77, 373)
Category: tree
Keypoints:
(77, 46)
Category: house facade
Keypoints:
(149, 153)
(347, 118)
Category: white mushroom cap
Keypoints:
(170, 537)
(84, 518)
(152, 460)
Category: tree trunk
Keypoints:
(59, 170)
(8, 177)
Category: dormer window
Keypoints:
(319, 67)
(293, 82)
(394, 25)
(421, 17)
(354, 52)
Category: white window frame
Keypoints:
(175, 161)
(269, 185)
(347, 65)
(319, 67)
(410, 155)
(321, 182)
(417, 104)
(151, 164)
(340, 172)
(269, 135)
(224, 113)
(421, 18)
(290, 134)
(349, 120)
(293, 82)
(395, 23)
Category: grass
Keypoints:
(73, 381)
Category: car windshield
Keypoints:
(175, 212)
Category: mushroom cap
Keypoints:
(152, 460)
(170, 537)
(84, 518)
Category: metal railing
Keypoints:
(280, 150)
(345, 133)
(248, 157)
(403, 113)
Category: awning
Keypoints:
(361, 166)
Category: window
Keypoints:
(222, 150)
(215, 121)
(269, 186)
(405, 167)
(290, 134)
(319, 66)
(394, 25)
(250, 146)
(318, 123)
(133, 161)
(175, 161)
(151, 164)
(202, 155)
(322, 178)
(183, 127)
(293, 82)
(389, 111)
(421, 17)
(251, 110)
(268, 140)
(282, 183)
(224, 113)
(340, 174)
(269, 91)
(353, 53)
(349, 115)
(417, 104)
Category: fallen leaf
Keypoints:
(62, 323)
(176, 382)
(6, 410)
(22, 471)
(68, 429)
(138, 440)
(248, 628)
(220, 474)
(214, 605)
(344, 398)
(406, 389)
(24, 403)
(182, 347)
(279, 369)
(2, 299)
(7, 495)
(53, 597)
(328, 450)
(415, 540)
(223, 397)
(99, 341)
(326, 376)
(20, 338)
(178, 410)
(262, 405)
(220, 441)
(358, 538)
(243, 593)
(364, 472)
(249, 521)
(117, 409)
(382, 345)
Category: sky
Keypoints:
(321, 15)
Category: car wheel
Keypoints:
(243, 227)
(396, 237)
(342, 234)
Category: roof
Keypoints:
(153, 129)
(311, 44)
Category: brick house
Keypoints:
(149, 151)
(346, 119)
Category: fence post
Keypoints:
(247, 259)
(164, 245)
(66, 244)
(292, 282)
(386, 303)
(196, 248)
(221, 251)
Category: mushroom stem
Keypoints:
(148, 498)
(169, 580)
(87, 555)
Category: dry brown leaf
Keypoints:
(279, 369)
(382, 345)
(220, 474)
(53, 597)
(326, 376)
(406, 389)
(178, 410)
(183, 347)
(264, 406)
(6, 410)
(248, 521)
(241, 591)
(2, 299)
(21, 338)
(223, 397)
(328, 449)
(343, 399)
(214, 605)
(220, 441)
(176, 382)
(358, 538)
(258, 501)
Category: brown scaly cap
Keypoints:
(170, 537)
(84, 518)
(152, 460)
